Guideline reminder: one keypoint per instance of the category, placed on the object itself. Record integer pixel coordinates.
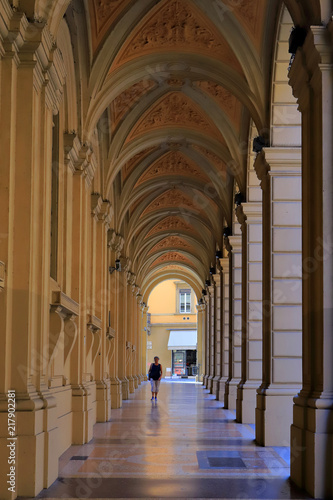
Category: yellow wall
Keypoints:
(164, 317)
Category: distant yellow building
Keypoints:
(172, 328)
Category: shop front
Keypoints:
(183, 344)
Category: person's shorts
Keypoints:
(155, 385)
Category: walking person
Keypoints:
(155, 375)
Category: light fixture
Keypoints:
(296, 39)
(227, 232)
(239, 199)
(258, 144)
(212, 270)
(219, 254)
(117, 267)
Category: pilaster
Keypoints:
(235, 324)
(217, 332)
(225, 268)
(279, 170)
(311, 77)
(250, 217)
(211, 293)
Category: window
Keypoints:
(184, 301)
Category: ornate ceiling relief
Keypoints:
(173, 257)
(174, 198)
(251, 14)
(171, 242)
(103, 13)
(125, 101)
(173, 163)
(225, 99)
(213, 158)
(177, 25)
(130, 165)
(172, 223)
(174, 110)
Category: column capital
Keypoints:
(201, 307)
(251, 212)
(311, 60)
(217, 278)
(101, 209)
(225, 264)
(115, 242)
(235, 244)
(270, 161)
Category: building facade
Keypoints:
(172, 333)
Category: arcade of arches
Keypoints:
(126, 137)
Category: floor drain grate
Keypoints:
(226, 463)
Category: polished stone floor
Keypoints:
(184, 446)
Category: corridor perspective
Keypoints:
(184, 446)
(166, 189)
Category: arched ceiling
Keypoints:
(173, 86)
(179, 81)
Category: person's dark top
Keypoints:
(155, 371)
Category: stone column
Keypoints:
(225, 266)
(279, 170)
(207, 340)
(144, 367)
(250, 217)
(115, 244)
(121, 288)
(235, 324)
(311, 78)
(201, 307)
(211, 311)
(218, 333)
(101, 218)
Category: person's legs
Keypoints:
(157, 387)
(152, 388)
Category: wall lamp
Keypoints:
(204, 292)
(258, 144)
(296, 39)
(219, 254)
(239, 199)
(227, 232)
(116, 268)
(207, 282)
(212, 270)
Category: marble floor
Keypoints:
(183, 446)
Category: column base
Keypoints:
(136, 381)
(232, 396)
(312, 445)
(82, 420)
(51, 457)
(116, 393)
(222, 389)
(204, 380)
(103, 400)
(125, 388)
(274, 416)
(216, 386)
(246, 402)
(131, 383)
(210, 384)
(29, 445)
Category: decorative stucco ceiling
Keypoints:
(180, 80)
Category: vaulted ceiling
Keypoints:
(173, 87)
(178, 82)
